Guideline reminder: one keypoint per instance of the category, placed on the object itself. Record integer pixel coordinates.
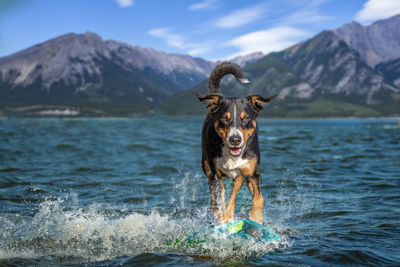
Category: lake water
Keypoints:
(101, 192)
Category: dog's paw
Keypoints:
(226, 219)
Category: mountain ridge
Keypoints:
(54, 55)
(322, 76)
(377, 42)
(329, 74)
(84, 69)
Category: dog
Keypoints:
(230, 145)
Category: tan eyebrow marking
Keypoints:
(242, 115)
(222, 132)
(228, 115)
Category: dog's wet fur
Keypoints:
(230, 145)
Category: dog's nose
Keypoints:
(235, 140)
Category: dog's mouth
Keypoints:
(235, 151)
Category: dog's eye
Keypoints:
(246, 119)
(225, 118)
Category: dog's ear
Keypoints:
(257, 102)
(212, 100)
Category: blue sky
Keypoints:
(212, 29)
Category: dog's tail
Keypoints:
(220, 71)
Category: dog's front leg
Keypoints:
(253, 183)
(217, 198)
(253, 180)
(230, 210)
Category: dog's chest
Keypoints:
(230, 166)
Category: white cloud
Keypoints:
(178, 41)
(274, 39)
(307, 12)
(125, 3)
(172, 39)
(378, 9)
(202, 5)
(199, 49)
(241, 17)
(304, 17)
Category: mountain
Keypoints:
(84, 70)
(353, 70)
(376, 43)
(390, 70)
(321, 77)
(332, 68)
(86, 73)
(246, 59)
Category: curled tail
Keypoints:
(220, 71)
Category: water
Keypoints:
(105, 192)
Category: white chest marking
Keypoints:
(230, 165)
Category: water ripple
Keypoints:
(115, 191)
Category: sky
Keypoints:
(211, 29)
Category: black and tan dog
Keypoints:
(230, 144)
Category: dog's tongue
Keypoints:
(235, 150)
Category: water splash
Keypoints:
(62, 228)
(58, 231)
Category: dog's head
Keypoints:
(234, 118)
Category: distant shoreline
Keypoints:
(159, 114)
